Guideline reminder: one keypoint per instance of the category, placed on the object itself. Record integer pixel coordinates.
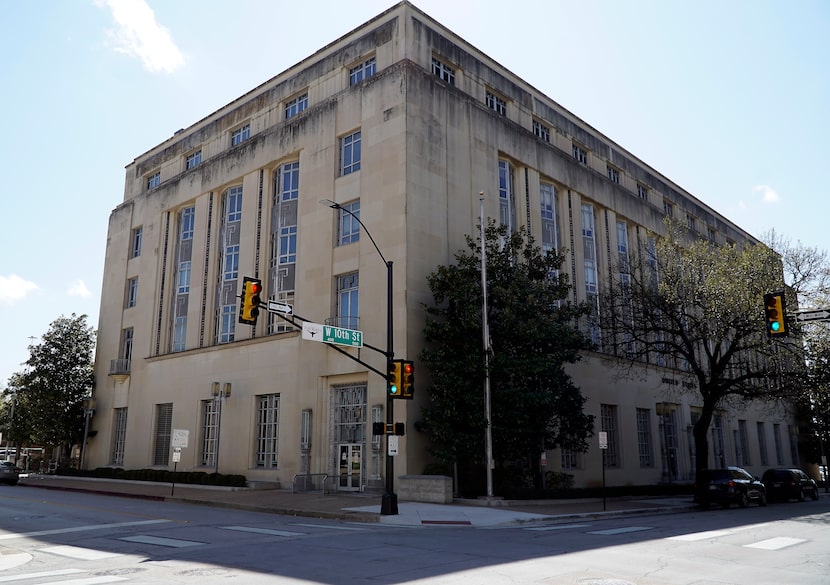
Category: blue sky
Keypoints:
(729, 100)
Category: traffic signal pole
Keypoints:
(389, 502)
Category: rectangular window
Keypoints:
(153, 180)
(622, 253)
(362, 71)
(580, 154)
(350, 153)
(288, 244)
(268, 430)
(347, 301)
(541, 131)
(762, 442)
(644, 437)
(240, 135)
(132, 292)
(233, 202)
(507, 207)
(642, 191)
(179, 333)
(613, 174)
(779, 450)
(348, 228)
(164, 424)
(119, 436)
(188, 217)
(183, 286)
(690, 221)
(589, 247)
(227, 324)
(668, 209)
(608, 420)
(550, 227)
(496, 104)
(570, 458)
(711, 235)
(296, 106)
(135, 247)
(193, 160)
(210, 430)
(443, 71)
(289, 181)
(126, 352)
(231, 262)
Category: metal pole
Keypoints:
(485, 334)
(389, 502)
(218, 430)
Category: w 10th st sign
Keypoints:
(329, 334)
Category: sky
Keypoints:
(729, 100)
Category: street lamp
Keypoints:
(218, 394)
(389, 503)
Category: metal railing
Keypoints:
(119, 367)
(309, 482)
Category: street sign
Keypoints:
(177, 454)
(603, 440)
(284, 308)
(180, 437)
(818, 315)
(393, 444)
(329, 334)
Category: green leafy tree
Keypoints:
(534, 404)
(58, 379)
(691, 305)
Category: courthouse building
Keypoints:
(403, 124)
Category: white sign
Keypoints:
(603, 440)
(179, 438)
(393, 444)
(177, 454)
(312, 331)
(284, 308)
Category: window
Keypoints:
(668, 209)
(183, 286)
(288, 244)
(779, 451)
(227, 324)
(347, 301)
(362, 71)
(210, 430)
(443, 71)
(711, 233)
(613, 174)
(153, 180)
(240, 135)
(541, 131)
(608, 420)
(179, 333)
(690, 221)
(289, 178)
(296, 106)
(622, 253)
(193, 160)
(119, 436)
(570, 458)
(589, 247)
(126, 352)
(742, 444)
(350, 153)
(762, 442)
(164, 424)
(507, 206)
(348, 228)
(550, 226)
(135, 247)
(188, 216)
(580, 154)
(132, 292)
(644, 437)
(231, 262)
(233, 212)
(642, 191)
(268, 430)
(495, 103)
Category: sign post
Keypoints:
(603, 447)
(178, 440)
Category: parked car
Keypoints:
(789, 484)
(727, 486)
(9, 472)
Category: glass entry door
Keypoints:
(350, 459)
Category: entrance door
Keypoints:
(350, 468)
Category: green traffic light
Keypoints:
(775, 326)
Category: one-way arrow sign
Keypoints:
(819, 315)
(275, 307)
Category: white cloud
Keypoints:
(768, 194)
(78, 289)
(138, 34)
(13, 288)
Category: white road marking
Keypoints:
(776, 543)
(40, 575)
(77, 552)
(263, 531)
(622, 530)
(329, 526)
(171, 542)
(559, 527)
(90, 580)
(694, 536)
(12, 535)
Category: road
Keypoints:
(85, 539)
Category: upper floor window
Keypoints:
(691, 222)
(642, 191)
(193, 159)
(580, 154)
(132, 292)
(188, 217)
(348, 228)
(668, 209)
(288, 244)
(507, 205)
(711, 234)
(289, 185)
(347, 301)
(613, 174)
(240, 134)
(183, 286)
(496, 104)
(296, 105)
(350, 153)
(541, 131)
(154, 180)
(233, 212)
(443, 71)
(135, 246)
(360, 72)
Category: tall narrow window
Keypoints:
(762, 442)
(550, 226)
(347, 301)
(348, 228)
(153, 180)
(240, 134)
(507, 205)
(126, 352)
(268, 430)
(622, 254)
(119, 436)
(644, 437)
(288, 244)
(779, 450)
(210, 430)
(135, 247)
(183, 286)
(283, 241)
(164, 424)
(132, 292)
(188, 218)
(184, 253)
(227, 302)
(350, 153)
(589, 248)
(743, 439)
(360, 72)
(608, 420)
(296, 106)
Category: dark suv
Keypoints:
(788, 484)
(729, 485)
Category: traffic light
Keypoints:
(775, 310)
(394, 378)
(249, 300)
(378, 428)
(407, 379)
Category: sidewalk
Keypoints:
(366, 508)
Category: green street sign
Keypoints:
(340, 336)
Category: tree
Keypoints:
(58, 379)
(686, 303)
(535, 406)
